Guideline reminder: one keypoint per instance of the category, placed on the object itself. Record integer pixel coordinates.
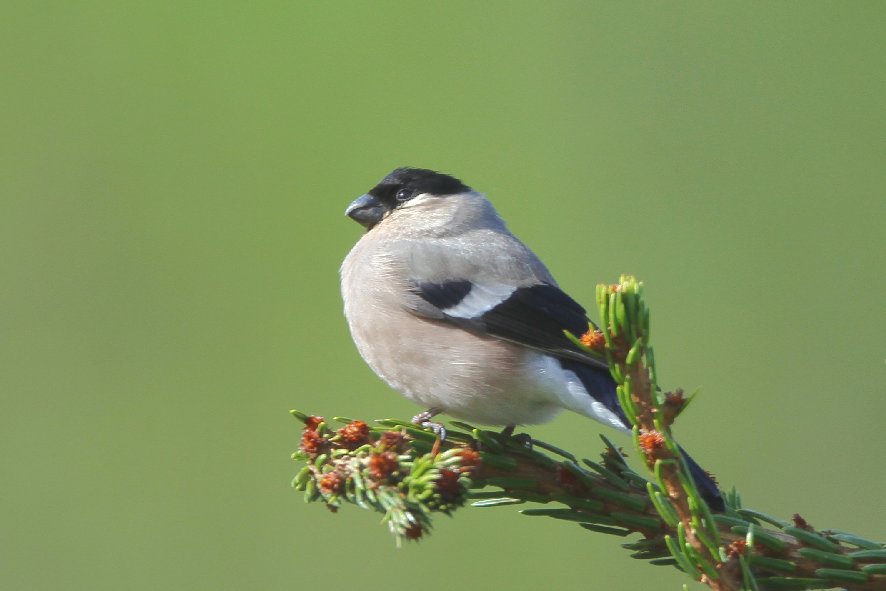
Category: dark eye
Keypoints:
(404, 194)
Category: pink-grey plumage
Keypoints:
(454, 312)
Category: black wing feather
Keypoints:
(443, 295)
(534, 316)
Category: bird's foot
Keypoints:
(523, 439)
(423, 419)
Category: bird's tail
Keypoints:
(706, 486)
(598, 383)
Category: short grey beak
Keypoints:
(366, 210)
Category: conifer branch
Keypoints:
(408, 475)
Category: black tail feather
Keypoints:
(705, 484)
(601, 387)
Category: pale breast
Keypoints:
(432, 363)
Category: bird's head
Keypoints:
(405, 187)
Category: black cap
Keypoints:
(404, 183)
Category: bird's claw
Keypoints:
(524, 439)
(422, 419)
(438, 429)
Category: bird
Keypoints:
(454, 312)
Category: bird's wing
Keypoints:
(534, 316)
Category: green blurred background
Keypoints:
(172, 182)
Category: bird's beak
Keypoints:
(366, 210)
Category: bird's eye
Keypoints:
(404, 195)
